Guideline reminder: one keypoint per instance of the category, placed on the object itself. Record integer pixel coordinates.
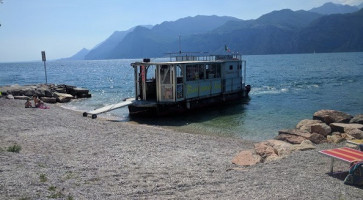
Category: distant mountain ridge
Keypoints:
(332, 8)
(283, 31)
(80, 55)
(329, 34)
(104, 49)
(164, 38)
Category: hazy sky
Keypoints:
(63, 27)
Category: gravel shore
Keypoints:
(67, 156)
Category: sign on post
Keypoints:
(45, 67)
(43, 56)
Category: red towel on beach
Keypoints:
(43, 107)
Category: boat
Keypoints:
(187, 82)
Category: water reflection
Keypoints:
(216, 120)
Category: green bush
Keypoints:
(52, 188)
(15, 148)
(43, 178)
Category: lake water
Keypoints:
(285, 90)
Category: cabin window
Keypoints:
(150, 72)
(239, 66)
(201, 71)
(213, 71)
(231, 67)
(164, 74)
(192, 72)
(179, 74)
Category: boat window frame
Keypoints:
(179, 73)
(192, 72)
(164, 86)
(213, 71)
(150, 72)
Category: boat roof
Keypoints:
(192, 60)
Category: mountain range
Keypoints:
(329, 28)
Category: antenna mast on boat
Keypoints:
(179, 45)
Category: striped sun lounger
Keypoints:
(344, 154)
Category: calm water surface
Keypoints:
(285, 90)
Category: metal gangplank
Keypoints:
(108, 108)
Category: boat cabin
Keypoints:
(189, 79)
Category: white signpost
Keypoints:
(45, 67)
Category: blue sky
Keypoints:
(63, 27)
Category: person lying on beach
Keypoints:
(28, 104)
(38, 103)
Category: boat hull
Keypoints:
(168, 109)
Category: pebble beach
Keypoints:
(66, 156)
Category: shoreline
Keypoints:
(84, 158)
(151, 122)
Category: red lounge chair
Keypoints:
(345, 154)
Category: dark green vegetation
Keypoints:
(43, 178)
(15, 148)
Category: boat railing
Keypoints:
(179, 58)
(192, 58)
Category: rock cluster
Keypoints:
(326, 126)
(269, 150)
(49, 93)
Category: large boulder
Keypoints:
(63, 98)
(358, 119)
(281, 148)
(335, 138)
(317, 138)
(305, 125)
(355, 133)
(48, 93)
(49, 99)
(293, 139)
(44, 91)
(10, 96)
(78, 92)
(16, 92)
(264, 149)
(293, 136)
(39, 93)
(314, 126)
(346, 136)
(60, 89)
(305, 145)
(246, 158)
(271, 158)
(320, 128)
(332, 116)
(29, 92)
(341, 127)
